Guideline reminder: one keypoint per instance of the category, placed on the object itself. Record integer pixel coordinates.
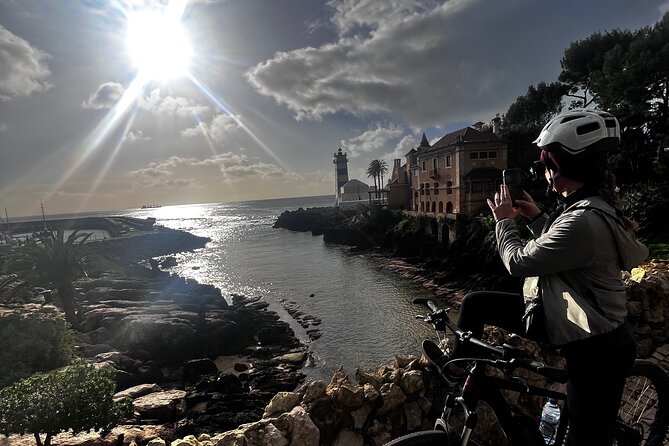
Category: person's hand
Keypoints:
(527, 207)
(501, 207)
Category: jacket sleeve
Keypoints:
(570, 243)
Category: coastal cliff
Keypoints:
(410, 245)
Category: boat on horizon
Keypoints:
(150, 206)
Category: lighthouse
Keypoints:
(341, 173)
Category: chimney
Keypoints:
(496, 123)
(478, 126)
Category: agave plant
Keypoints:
(12, 289)
(51, 260)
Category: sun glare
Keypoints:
(158, 45)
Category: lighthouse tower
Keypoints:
(341, 173)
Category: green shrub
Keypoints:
(646, 204)
(77, 398)
(33, 339)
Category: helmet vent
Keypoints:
(610, 123)
(587, 128)
(570, 118)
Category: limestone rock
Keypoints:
(137, 391)
(412, 382)
(281, 402)
(163, 406)
(360, 415)
(313, 391)
(392, 397)
(305, 432)
(363, 377)
(414, 416)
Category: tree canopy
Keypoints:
(621, 71)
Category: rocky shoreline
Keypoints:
(204, 371)
(191, 361)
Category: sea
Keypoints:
(366, 312)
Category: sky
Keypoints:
(110, 104)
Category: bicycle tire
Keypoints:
(643, 415)
(424, 438)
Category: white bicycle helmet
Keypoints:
(575, 131)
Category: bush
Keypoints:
(646, 204)
(33, 339)
(77, 398)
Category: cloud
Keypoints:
(224, 167)
(372, 140)
(404, 145)
(219, 129)
(136, 136)
(428, 63)
(109, 94)
(352, 15)
(106, 96)
(3, 127)
(171, 105)
(23, 68)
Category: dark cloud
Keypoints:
(429, 63)
(23, 68)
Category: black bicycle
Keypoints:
(643, 417)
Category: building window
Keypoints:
(427, 188)
(473, 155)
(489, 186)
(448, 161)
(476, 186)
(492, 154)
(449, 187)
(467, 187)
(434, 163)
(483, 155)
(436, 188)
(424, 166)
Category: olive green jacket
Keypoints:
(575, 266)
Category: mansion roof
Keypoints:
(466, 134)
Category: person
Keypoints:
(573, 266)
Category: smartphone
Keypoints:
(512, 178)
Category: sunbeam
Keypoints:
(219, 102)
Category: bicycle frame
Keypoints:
(632, 427)
(481, 387)
(478, 386)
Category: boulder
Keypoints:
(137, 391)
(282, 402)
(194, 369)
(163, 406)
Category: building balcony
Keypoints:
(434, 173)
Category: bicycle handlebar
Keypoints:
(507, 356)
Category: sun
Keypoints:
(158, 45)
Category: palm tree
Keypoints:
(55, 262)
(374, 171)
(383, 169)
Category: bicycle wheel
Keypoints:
(643, 416)
(425, 438)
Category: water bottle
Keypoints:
(550, 418)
